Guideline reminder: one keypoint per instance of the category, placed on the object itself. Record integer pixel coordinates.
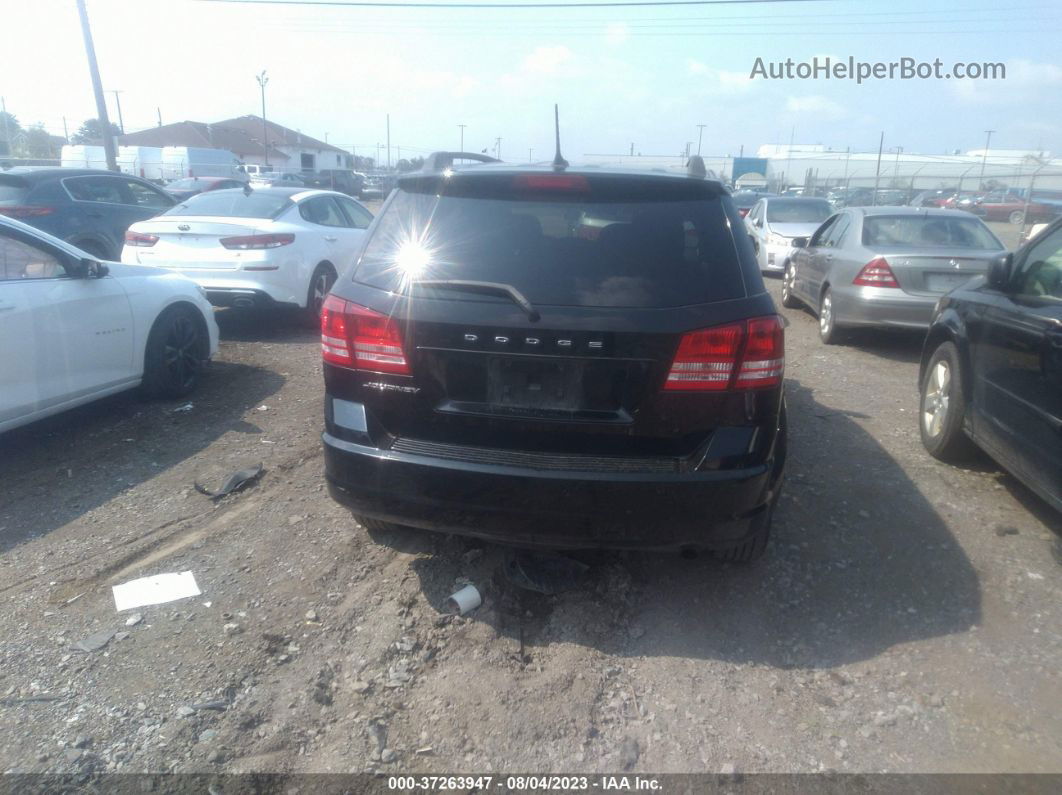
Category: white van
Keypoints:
(141, 161)
(82, 156)
(190, 161)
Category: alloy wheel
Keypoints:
(181, 351)
(826, 314)
(321, 285)
(935, 400)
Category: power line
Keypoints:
(505, 6)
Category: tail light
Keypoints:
(140, 239)
(25, 211)
(746, 355)
(245, 242)
(876, 273)
(355, 337)
(568, 183)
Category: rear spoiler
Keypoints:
(438, 161)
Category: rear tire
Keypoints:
(173, 358)
(789, 300)
(324, 276)
(828, 331)
(756, 544)
(97, 250)
(1017, 217)
(942, 406)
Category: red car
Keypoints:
(184, 189)
(1000, 206)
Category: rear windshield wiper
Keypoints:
(486, 287)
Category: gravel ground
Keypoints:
(906, 616)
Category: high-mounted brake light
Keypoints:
(140, 239)
(355, 337)
(245, 242)
(26, 211)
(568, 183)
(876, 273)
(746, 355)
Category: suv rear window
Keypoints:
(605, 242)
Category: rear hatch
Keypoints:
(518, 330)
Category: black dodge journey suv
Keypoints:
(558, 357)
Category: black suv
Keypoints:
(558, 357)
(992, 367)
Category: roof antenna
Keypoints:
(558, 159)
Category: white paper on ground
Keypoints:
(154, 590)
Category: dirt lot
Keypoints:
(906, 617)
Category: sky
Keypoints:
(641, 76)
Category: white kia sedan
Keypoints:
(265, 247)
(73, 329)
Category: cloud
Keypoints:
(1025, 82)
(814, 103)
(617, 33)
(547, 60)
(718, 81)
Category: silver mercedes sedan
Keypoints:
(885, 266)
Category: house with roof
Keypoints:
(273, 145)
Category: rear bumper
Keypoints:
(555, 509)
(882, 307)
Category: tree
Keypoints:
(363, 163)
(90, 132)
(8, 126)
(38, 142)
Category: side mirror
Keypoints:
(758, 223)
(799, 242)
(999, 271)
(755, 243)
(87, 268)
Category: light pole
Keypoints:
(462, 126)
(262, 80)
(700, 135)
(984, 158)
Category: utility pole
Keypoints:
(847, 154)
(632, 148)
(877, 173)
(984, 158)
(97, 88)
(700, 135)
(896, 164)
(118, 102)
(66, 134)
(462, 126)
(159, 111)
(388, 140)
(497, 147)
(789, 151)
(262, 80)
(529, 158)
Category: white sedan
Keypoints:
(73, 329)
(266, 247)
